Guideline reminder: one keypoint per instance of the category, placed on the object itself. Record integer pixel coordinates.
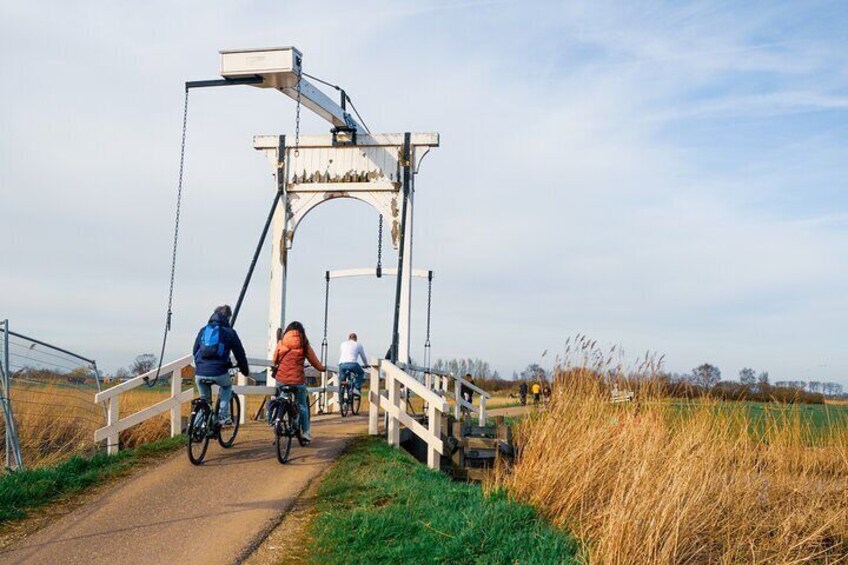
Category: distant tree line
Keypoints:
(481, 372)
(706, 379)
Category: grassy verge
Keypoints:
(20, 491)
(381, 506)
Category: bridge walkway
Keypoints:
(178, 513)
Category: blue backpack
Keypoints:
(211, 346)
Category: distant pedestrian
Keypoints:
(466, 392)
(537, 393)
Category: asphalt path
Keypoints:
(176, 512)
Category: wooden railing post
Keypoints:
(374, 401)
(176, 411)
(482, 410)
(457, 408)
(241, 380)
(112, 417)
(393, 431)
(325, 400)
(337, 394)
(434, 459)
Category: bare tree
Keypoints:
(706, 375)
(747, 376)
(144, 363)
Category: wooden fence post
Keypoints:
(176, 411)
(393, 431)
(457, 408)
(112, 417)
(434, 459)
(241, 380)
(374, 402)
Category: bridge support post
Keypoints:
(279, 254)
(277, 297)
(404, 319)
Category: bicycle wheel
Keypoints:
(344, 401)
(355, 403)
(227, 435)
(198, 439)
(283, 431)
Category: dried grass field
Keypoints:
(55, 422)
(716, 482)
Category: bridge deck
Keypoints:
(178, 513)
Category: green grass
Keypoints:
(30, 488)
(819, 420)
(378, 505)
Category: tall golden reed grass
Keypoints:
(647, 483)
(56, 422)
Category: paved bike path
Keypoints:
(178, 513)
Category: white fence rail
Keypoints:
(433, 391)
(395, 407)
(112, 399)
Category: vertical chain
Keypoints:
(429, 310)
(297, 109)
(176, 239)
(380, 245)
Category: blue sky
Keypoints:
(664, 176)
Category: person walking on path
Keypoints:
(466, 392)
(212, 347)
(537, 391)
(350, 354)
(292, 350)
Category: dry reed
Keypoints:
(645, 482)
(55, 422)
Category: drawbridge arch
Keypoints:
(378, 170)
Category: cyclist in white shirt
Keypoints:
(350, 353)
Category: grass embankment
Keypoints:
(378, 505)
(721, 482)
(24, 490)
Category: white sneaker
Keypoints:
(356, 392)
(307, 436)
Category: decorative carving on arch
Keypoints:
(299, 204)
(370, 171)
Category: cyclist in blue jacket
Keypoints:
(212, 347)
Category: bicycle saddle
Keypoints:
(207, 381)
(287, 388)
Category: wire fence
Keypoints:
(50, 392)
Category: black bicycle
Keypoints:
(203, 425)
(348, 399)
(284, 416)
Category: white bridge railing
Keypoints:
(394, 405)
(112, 398)
(441, 381)
(392, 400)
